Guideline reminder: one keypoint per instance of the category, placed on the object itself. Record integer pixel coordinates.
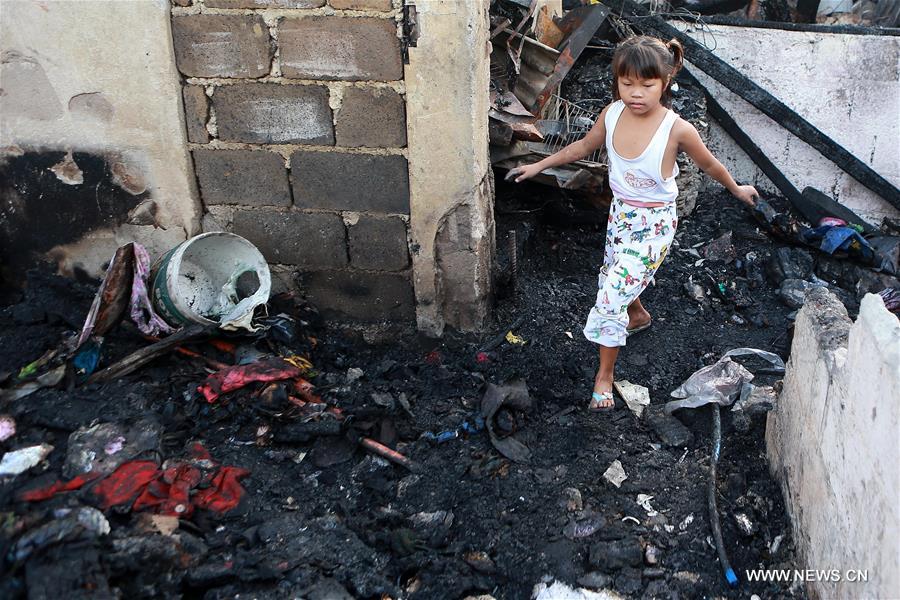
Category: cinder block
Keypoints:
(196, 112)
(361, 4)
(246, 177)
(353, 49)
(310, 240)
(373, 117)
(222, 45)
(264, 3)
(378, 244)
(269, 113)
(182, 2)
(360, 296)
(344, 181)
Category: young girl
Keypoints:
(642, 137)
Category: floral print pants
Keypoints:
(637, 239)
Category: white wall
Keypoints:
(120, 51)
(834, 443)
(846, 85)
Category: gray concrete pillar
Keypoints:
(451, 195)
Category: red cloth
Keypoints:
(171, 493)
(236, 377)
(176, 490)
(126, 483)
(225, 492)
(48, 491)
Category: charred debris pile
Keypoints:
(301, 460)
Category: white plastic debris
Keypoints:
(560, 591)
(644, 501)
(636, 396)
(686, 522)
(615, 473)
(19, 461)
(776, 544)
(720, 382)
(7, 427)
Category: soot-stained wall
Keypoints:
(92, 145)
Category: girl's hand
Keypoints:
(522, 173)
(746, 194)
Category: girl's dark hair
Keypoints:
(646, 57)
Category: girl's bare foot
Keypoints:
(637, 318)
(602, 397)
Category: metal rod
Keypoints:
(391, 455)
(513, 259)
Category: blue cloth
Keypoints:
(87, 359)
(832, 238)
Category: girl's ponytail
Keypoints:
(677, 51)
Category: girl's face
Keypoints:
(641, 96)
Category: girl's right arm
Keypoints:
(594, 139)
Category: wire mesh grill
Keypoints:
(565, 122)
(498, 71)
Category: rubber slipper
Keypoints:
(601, 398)
(640, 328)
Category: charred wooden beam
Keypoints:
(711, 7)
(723, 118)
(139, 358)
(810, 27)
(812, 204)
(807, 10)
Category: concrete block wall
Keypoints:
(832, 443)
(295, 114)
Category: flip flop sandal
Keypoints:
(640, 328)
(601, 398)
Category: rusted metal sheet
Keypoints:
(583, 23)
(532, 70)
(535, 65)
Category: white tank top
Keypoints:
(640, 178)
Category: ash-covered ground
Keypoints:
(322, 518)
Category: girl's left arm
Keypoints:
(689, 141)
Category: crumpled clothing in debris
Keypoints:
(891, 298)
(236, 377)
(124, 484)
(175, 490)
(832, 238)
(43, 492)
(140, 308)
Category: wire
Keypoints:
(714, 524)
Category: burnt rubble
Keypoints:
(322, 516)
